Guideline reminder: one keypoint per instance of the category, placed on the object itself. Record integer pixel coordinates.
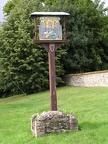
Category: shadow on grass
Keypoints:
(92, 125)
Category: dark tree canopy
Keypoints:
(86, 25)
(25, 65)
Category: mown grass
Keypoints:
(89, 105)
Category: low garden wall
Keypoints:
(97, 78)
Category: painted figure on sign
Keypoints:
(50, 28)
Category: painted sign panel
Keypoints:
(50, 28)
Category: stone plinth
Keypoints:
(52, 122)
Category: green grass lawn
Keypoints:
(89, 105)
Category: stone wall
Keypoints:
(52, 122)
(98, 78)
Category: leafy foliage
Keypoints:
(85, 27)
(24, 65)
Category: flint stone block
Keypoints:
(52, 122)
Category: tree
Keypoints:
(84, 31)
(24, 64)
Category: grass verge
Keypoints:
(89, 105)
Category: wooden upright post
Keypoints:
(52, 77)
(51, 48)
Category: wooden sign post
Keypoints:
(50, 36)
